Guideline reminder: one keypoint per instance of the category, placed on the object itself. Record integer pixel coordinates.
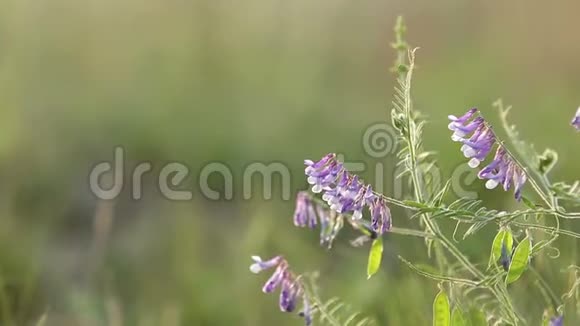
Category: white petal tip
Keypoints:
(255, 268)
(491, 184)
(469, 152)
(473, 163)
(460, 133)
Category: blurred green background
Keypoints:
(238, 82)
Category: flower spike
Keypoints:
(503, 170)
(343, 192)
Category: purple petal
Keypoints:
(576, 120)
(275, 279)
(306, 311)
(311, 216)
(557, 321)
(288, 295)
(301, 211)
(464, 117)
(260, 265)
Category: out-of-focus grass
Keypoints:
(205, 81)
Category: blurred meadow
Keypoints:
(233, 82)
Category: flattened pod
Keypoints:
(441, 315)
(375, 257)
(520, 260)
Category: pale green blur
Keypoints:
(239, 82)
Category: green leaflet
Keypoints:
(430, 273)
(438, 198)
(375, 256)
(414, 204)
(457, 318)
(500, 237)
(520, 261)
(528, 202)
(441, 310)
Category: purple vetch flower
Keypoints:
(260, 265)
(306, 312)
(496, 172)
(463, 118)
(478, 140)
(380, 216)
(276, 278)
(349, 196)
(291, 289)
(323, 173)
(503, 170)
(482, 138)
(304, 213)
(557, 321)
(365, 196)
(479, 145)
(288, 295)
(460, 130)
(301, 211)
(345, 194)
(342, 194)
(576, 120)
(333, 195)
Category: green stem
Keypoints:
(431, 226)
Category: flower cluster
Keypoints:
(291, 290)
(478, 141)
(576, 120)
(345, 193)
